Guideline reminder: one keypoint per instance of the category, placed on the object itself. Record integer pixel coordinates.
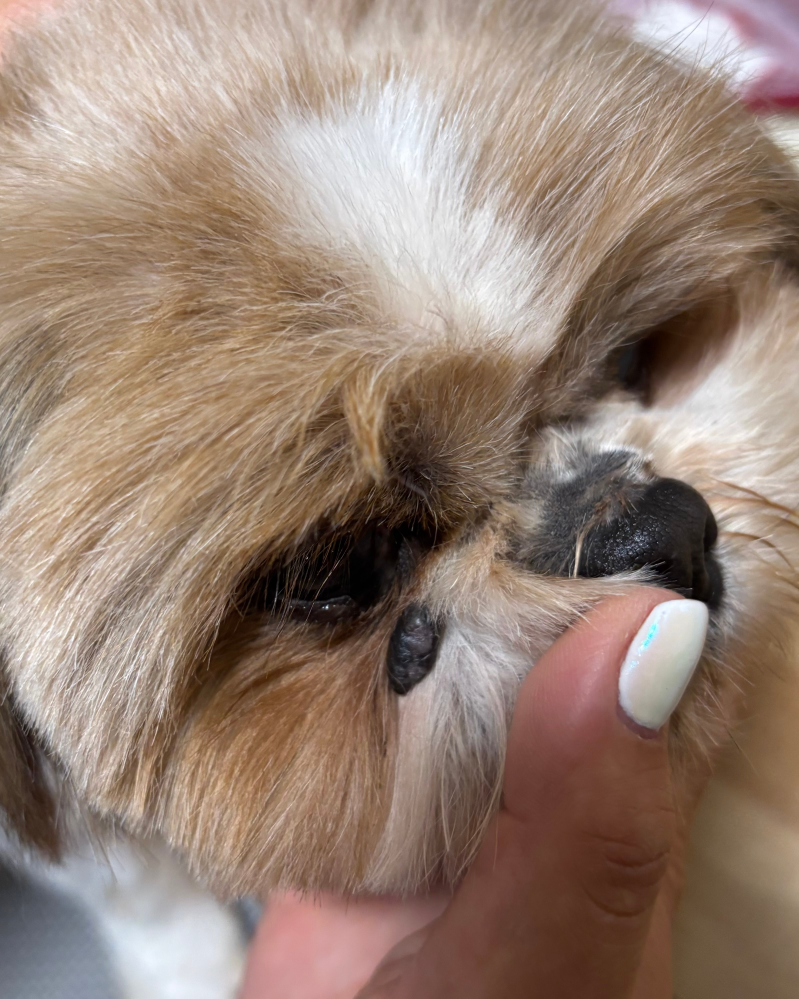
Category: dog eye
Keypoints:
(333, 579)
(343, 577)
(630, 366)
(671, 359)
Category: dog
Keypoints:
(349, 351)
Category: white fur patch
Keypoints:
(388, 181)
(453, 728)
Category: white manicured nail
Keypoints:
(661, 660)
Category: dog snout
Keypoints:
(601, 513)
(668, 528)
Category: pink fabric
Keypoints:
(769, 28)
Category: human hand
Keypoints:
(575, 886)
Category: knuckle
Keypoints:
(624, 874)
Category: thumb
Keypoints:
(560, 898)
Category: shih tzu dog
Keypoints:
(350, 350)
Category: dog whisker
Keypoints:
(758, 497)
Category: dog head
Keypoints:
(348, 354)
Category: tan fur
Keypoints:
(212, 353)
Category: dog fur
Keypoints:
(277, 271)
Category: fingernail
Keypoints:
(661, 660)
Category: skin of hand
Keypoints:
(574, 888)
(12, 11)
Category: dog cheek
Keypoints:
(280, 775)
(451, 733)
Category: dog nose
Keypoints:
(669, 528)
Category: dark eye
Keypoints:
(631, 366)
(335, 578)
(345, 576)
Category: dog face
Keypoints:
(348, 353)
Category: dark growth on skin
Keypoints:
(412, 648)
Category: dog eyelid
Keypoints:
(334, 610)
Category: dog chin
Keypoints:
(348, 355)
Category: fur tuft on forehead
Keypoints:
(276, 277)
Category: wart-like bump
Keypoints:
(412, 648)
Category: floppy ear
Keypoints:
(27, 802)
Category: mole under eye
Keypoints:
(412, 648)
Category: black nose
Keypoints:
(668, 527)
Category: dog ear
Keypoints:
(28, 810)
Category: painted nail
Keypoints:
(661, 660)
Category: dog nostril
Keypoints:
(670, 529)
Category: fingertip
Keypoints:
(569, 709)
(563, 886)
(661, 660)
